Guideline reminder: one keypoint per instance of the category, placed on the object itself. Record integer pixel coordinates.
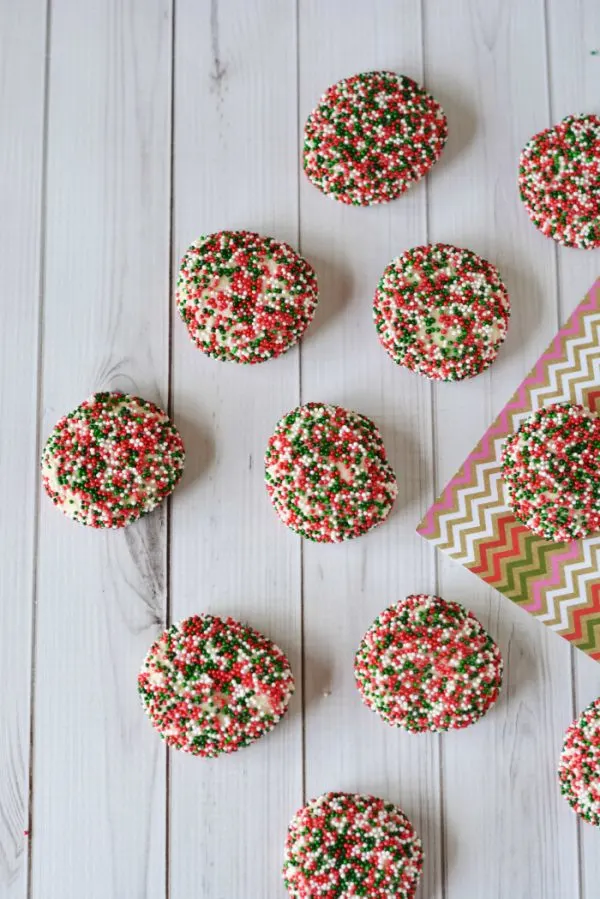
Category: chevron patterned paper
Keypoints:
(559, 583)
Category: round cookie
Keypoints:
(212, 685)
(579, 768)
(244, 297)
(441, 311)
(111, 460)
(372, 136)
(327, 473)
(428, 665)
(343, 844)
(559, 181)
(550, 466)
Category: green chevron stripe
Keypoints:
(532, 563)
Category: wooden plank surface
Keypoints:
(574, 67)
(235, 156)
(347, 747)
(478, 59)
(99, 775)
(172, 118)
(22, 81)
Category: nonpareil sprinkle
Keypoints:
(343, 844)
(559, 181)
(244, 297)
(442, 312)
(550, 467)
(327, 473)
(111, 460)
(428, 665)
(579, 768)
(372, 136)
(212, 685)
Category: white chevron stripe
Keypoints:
(552, 387)
(463, 515)
(574, 584)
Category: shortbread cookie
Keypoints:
(212, 685)
(428, 665)
(244, 297)
(551, 466)
(441, 311)
(111, 460)
(372, 136)
(559, 181)
(346, 845)
(327, 473)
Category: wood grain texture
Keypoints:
(99, 781)
(573, 34)
(347, 747)
(483, 63)
(235, 167)
(22, 79)
(172, 118)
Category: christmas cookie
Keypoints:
(551, 470)
(212, 685)
(111, 460)
(559, 181)
(371, 137)
(243, 297)
(428, 665)
(327, 473)
(343, 845)
(442, 312)
(579, 768)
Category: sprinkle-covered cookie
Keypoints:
(111, 460)
(343, 845)
(551, 468)
(428, 665)
(371, 137)
(559, 181)
(244, 297)
(579, 768)
(441, 311)
(327, 473)
(212, 685)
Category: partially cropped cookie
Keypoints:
(372, 136)
(442, 312)
(327, 473)
(559, 181)
(245, 297)
(579, 768)
(347, 845)
(111, 460)
(551, 469)
(428, 665)
(212, 685)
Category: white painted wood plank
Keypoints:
(99, 784)
(574, 65)
(22, 70)
(346, 586)
(487, 62)
(235, 167)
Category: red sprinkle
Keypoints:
(428, 665)
(343, 844)
(559, 181)
(111, 460)
(327, 473)
(212, 685)
(371, 137)
(441, 311)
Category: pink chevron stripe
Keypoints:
(539, 587)
(466, 476)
